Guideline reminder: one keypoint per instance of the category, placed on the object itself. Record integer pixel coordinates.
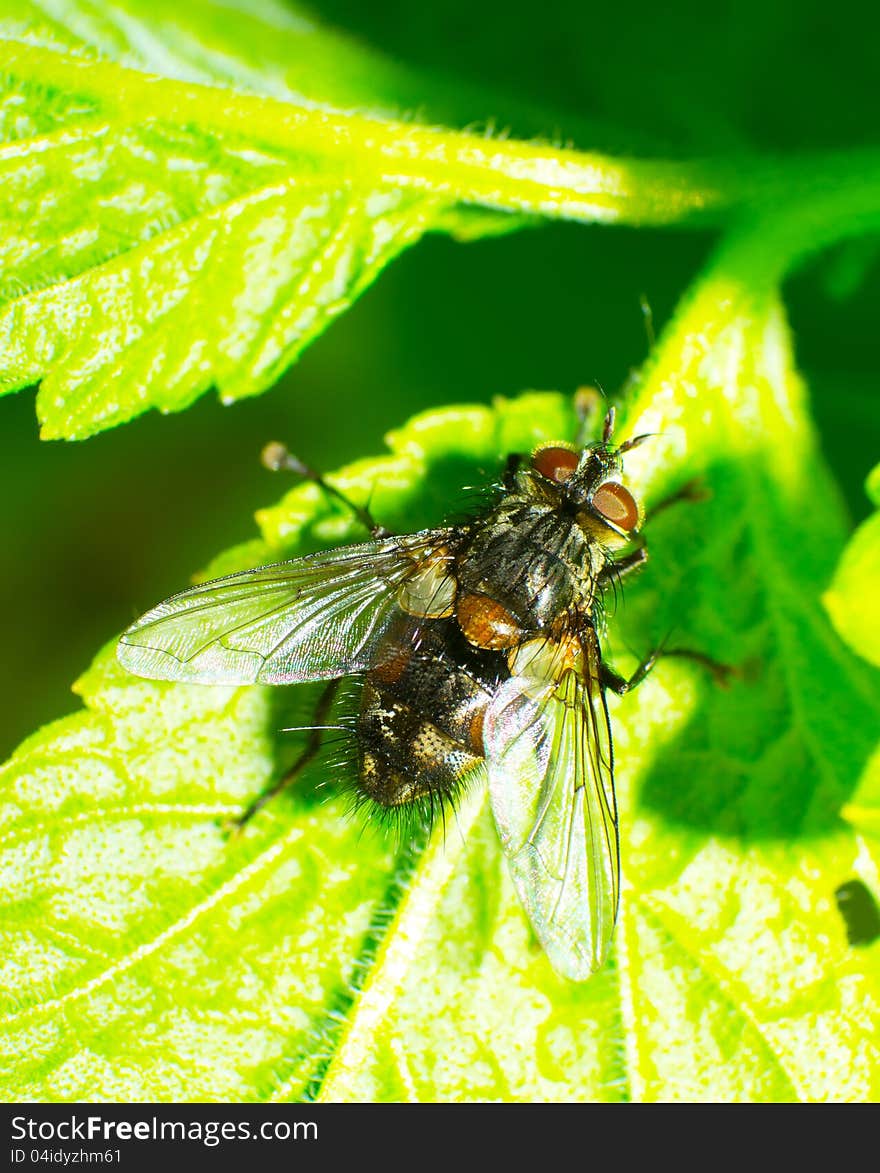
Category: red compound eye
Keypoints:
(556, 464)
(617, 505)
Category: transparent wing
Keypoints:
(312, 618)
(550, 768)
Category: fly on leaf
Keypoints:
(479, 652)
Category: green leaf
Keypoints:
(853, 598)
(191, 197)
(147, 958)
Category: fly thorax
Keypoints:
(525, 564)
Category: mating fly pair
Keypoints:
(479, 650)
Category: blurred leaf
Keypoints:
(685, 77)
(853, 598)
(189, 199)
(849, 267)
(146, 958)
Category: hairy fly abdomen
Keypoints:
(420, 727)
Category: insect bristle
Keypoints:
(404, 822)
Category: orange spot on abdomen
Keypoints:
(485, 623)
(475, 731)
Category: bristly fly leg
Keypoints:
(622, 566)
(721, 673)
(619, 684)
(316, 736)
(276, 457)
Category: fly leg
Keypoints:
(316, 735)
(721, 673)
(619, 684)
(276, 457)
(692, 490)
(622, 566)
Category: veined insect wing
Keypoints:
(550, 770)
(312, 618)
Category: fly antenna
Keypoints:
(608, 429)
(628, 445)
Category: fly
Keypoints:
(479, 650)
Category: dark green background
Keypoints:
(98, 531)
